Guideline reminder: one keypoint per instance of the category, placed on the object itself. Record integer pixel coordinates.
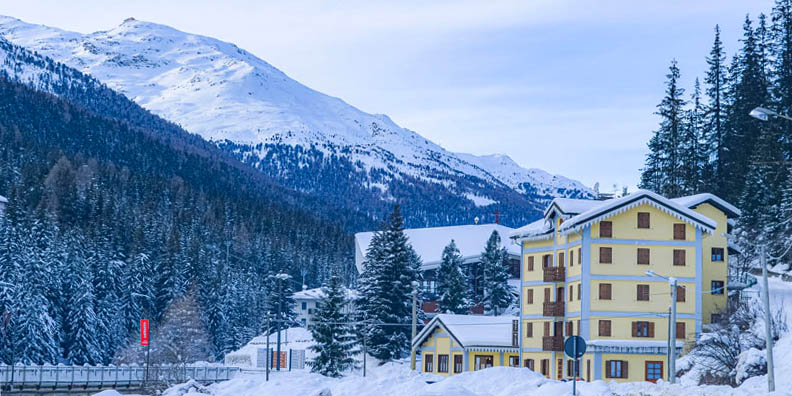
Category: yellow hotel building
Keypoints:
(584, 272)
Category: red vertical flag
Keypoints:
(144, 332)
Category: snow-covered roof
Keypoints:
(539, 229)
(430, 242)
(571, 206)
(691, 201)
(317, 294)
(472, 330)
(3, 200)
(615, 206)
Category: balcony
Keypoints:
(554, 274)
(553, 343)
(553, 308)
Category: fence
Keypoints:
(21, 377)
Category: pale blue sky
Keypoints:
(567, 86)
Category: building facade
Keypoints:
(584, 272)
(306, 304)
(453, 344)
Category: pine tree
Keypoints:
(182, 337)
(498, 294)
(452, 287)
(332, 332)
(663, 171)
(692, 148)
(81, 345)
(716, 113)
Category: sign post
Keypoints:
(575, 347)
(144, 341)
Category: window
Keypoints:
(717, 287)
(304, 306)
(571, 258)
(529, 363)
(545, 367)
(483, 361)
(547, 261)
(679, 257)
(643, 329)
(680, 330)
(579, 256)
(561, 259)
(547, 294)
(457, 363)
(442, 363)
(578, 287)
(606, 229)
(604, 328)
(679, 231)
(605, 291)
(573, 370)
(530, 263)
(578, 327)
(642, 292)
(569, 329)
(571, 292)
(529, 330)
(514, 361)
(428, 363)
(654, 371)
(605, 255)
(643, 219)
(717, 254)
(615, 369)
(643, 256)
(529, 296)
(546, 329)
(680, 294)
(716, 318)
(310, 311)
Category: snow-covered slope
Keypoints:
(222, 92)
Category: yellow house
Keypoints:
(452, 344)
(584, 272)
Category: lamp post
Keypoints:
(764, 114)
(672, 283)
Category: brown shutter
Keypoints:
(642, 292)
(571, 292)
(529, 330)
(643, 256)
(605, 291)
(547, 294)
(530, 263)
(569, 329)
(579, 256)
(604, 328)
(578, 327)
(606, 229)
(643, 220)
(529, 296)
(608, 364)
(606, 255)
(561, 259)
(546, 329)
(680, 330)
(679, 231)
(680, 294)
(578, 287)
(679, 257)
(651, 329)
(625, 374)
(635, 329)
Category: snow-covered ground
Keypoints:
(297, 338)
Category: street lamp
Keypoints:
(672, 282)
(764, 114)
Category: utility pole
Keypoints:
(364, 354)
(672, 334)
(768, 329)
(414, 323)
(668, 345)
(279, 322)
(269, 351)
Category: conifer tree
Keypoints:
(81, 345)
(498, 295)
(332, 332)
(692, 150)
(452, 287)
(715, 81)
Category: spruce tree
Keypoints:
(498, 295)
(452, 287)
(81, 345)
(332, 331)
(692, 149)
(715, 81)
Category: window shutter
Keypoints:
(604, 328)
(680, 330)
(679, 257)
(608, 367)
(529, 330)
(635, 329)
(529, 296)
(547, 294)
(680, 294)
(606, 255)
(624, 369)
(642, 292)
(578, 327)
(679, 231)
(530, 263)
(561, 259)
(578, 287)
(571, 292)
(643, 256)
(546, 329)
(605, 291)
(571, 257)
(643, 220)
(606, 229)
(579, 256)
(651, 329)
(569, 329)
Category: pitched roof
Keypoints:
(318, 293)
(691, 201)
(430, 242)
(571, 206)
(618, 205)
(471, 330)
(3, 199)
(539, 229)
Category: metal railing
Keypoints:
(553, 274)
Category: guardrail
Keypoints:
(46, 377)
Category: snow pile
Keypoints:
(296, 338)
(751, 363)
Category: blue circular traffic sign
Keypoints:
(575, 346)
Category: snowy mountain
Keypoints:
(227, 95)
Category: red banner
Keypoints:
(144, 332)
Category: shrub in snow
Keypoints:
(750, 364)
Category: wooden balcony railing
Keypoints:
(554, 274)
(553, 308)
(553, 343)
